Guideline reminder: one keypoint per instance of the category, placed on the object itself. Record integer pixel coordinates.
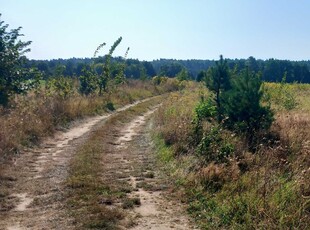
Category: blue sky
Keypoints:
(153, 29)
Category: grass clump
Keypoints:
(131, 202)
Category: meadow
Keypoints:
(228, 186)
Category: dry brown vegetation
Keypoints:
(88, 194)
(265, 189)
(97, 198)
(38, 114)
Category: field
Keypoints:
(263, 189)
(225, 184)
(95, 133)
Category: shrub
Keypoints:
(61, 86)
(282, 95)
(88, 83)
(215, 146)
(242, 106)
(238, 101)
(157, 80)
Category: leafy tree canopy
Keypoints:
(14, 78)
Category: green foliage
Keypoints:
(157, 80)
(183, 75)
(201, 76)
(110, 106)
(283, 96)
(214, 146)
(238, 101)
(103, 70)
(120, 74)
(61, 86)
(98, 49)
(218, 81)
(106, 75)
(14, 79)
(242, 106)
(88, 83)
(205, 109)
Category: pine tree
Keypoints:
(242, 106)
(218, 81)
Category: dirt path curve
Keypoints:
(33, 193)
(32, 190)
(134, 161)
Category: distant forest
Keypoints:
(272, 70)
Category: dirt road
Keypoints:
(34, 195)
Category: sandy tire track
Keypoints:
(131, 158)
(35, 181)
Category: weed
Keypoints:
(131, 202)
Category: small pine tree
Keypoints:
(201, 76)
(183, 75)
(242, 106)
(238, 100)
(218, 81)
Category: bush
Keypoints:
(238, 101)
(215, 146)
(282, 95)
(242, 106)
(61, 86)
(205, 109)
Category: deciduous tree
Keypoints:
(14, 79)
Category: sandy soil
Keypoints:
(134, 161)
(35, 182)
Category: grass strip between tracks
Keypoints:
(92, 201)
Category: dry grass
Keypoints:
(94, 200)
(175, 117)
(268, 189)
(35, 116)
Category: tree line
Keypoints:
(18, 74)
(272, 70)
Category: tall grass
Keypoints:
(267, 189)
(39, 114)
